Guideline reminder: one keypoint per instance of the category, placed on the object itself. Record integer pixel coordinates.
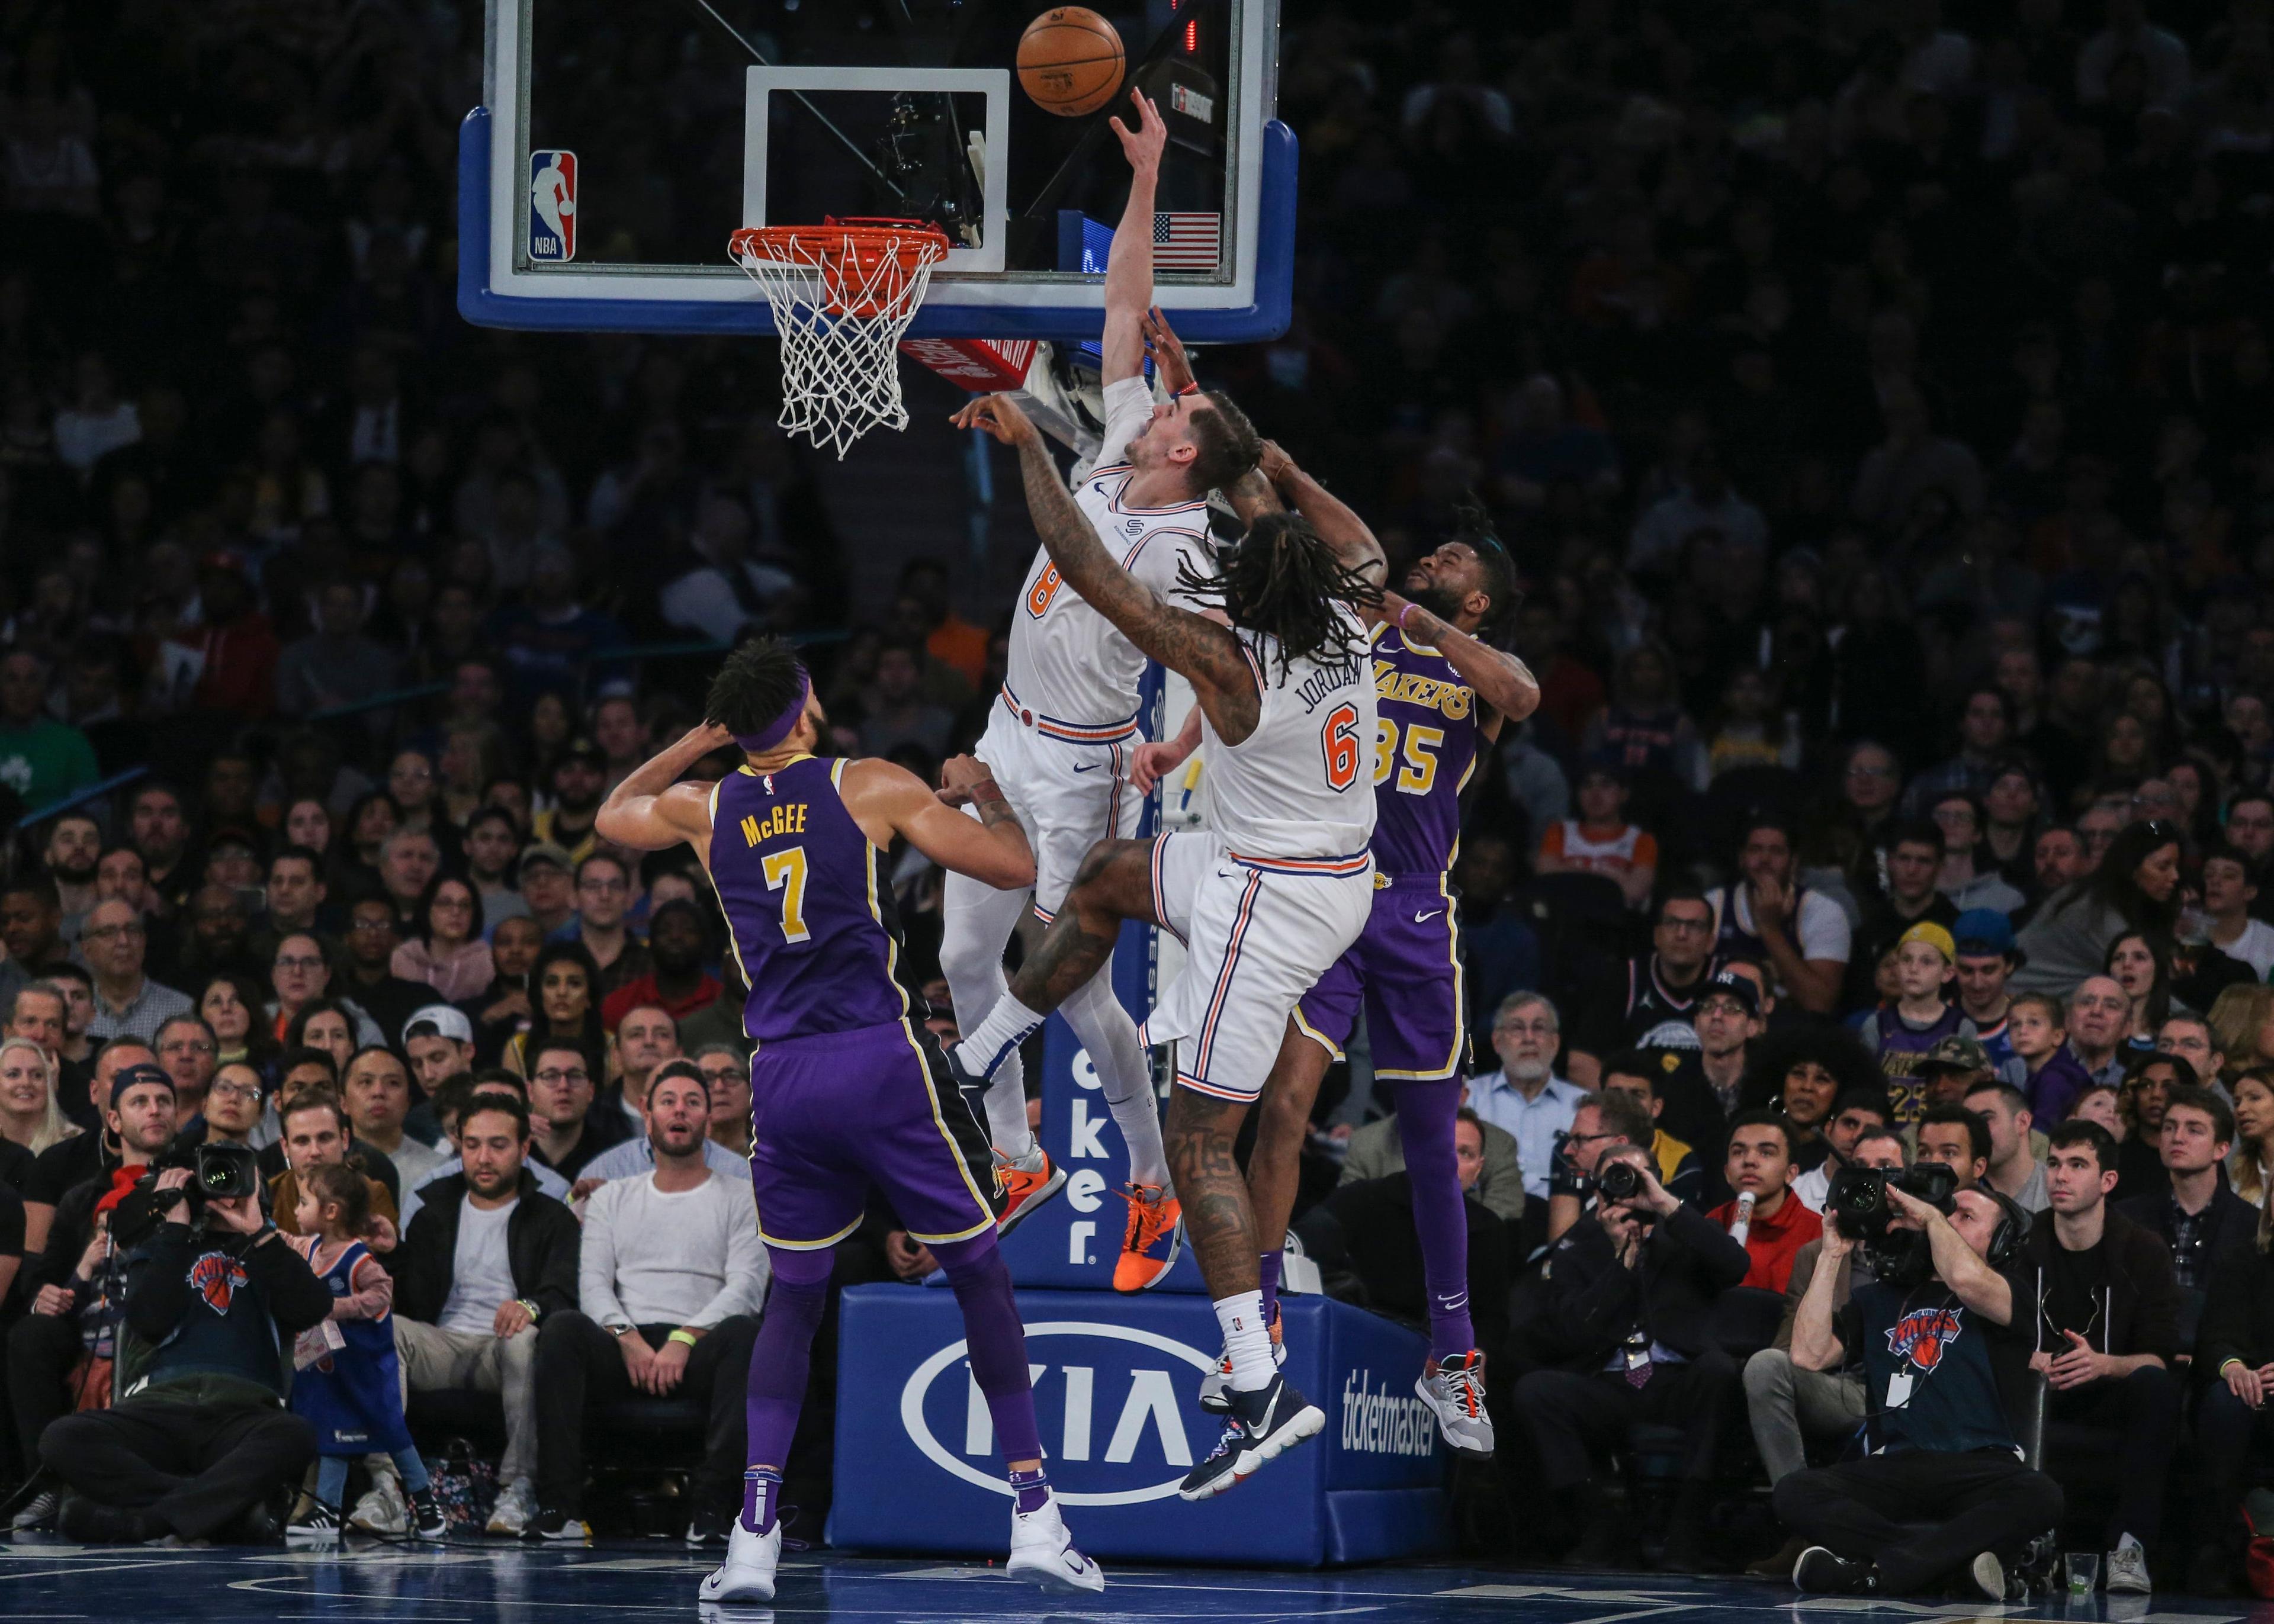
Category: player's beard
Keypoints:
(1438, 600)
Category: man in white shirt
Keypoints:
(2227, 894)
(487, 1258)
(671, 1282)
(1524, 1097)
(637, 1155)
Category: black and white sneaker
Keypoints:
(1822, 1572)
(319, 1525)
(553, 1526)
(429, 1523)
(1262, 1425)
(709, 1527)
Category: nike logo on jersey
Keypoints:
(1423, 919)
(1089, 767)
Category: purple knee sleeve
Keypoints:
(779, 1360)
(996, 1341)
(1426, 1113)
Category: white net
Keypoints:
(841, 300)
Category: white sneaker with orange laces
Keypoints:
(1454, 1390)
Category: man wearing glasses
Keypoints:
(1653, 1008)
(127, 1004)
(188, 1051)
(565, 1131)
(1524, 1097)
(604, 892)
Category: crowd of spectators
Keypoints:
(1874, 398)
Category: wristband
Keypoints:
(1401, 613)
(985, 789)
(1191, 388)
(685, 1338)
(525, 1302)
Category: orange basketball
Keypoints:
(1070, 61)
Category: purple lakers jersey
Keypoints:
(1424, 748)
(814, 925)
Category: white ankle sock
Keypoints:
(1247, 1339)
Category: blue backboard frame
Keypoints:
(1266, 317)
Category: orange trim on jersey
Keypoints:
(1351, 864)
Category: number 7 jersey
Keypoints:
(813, 922)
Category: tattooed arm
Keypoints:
(1350, 537)
(1205, 653)
(1501, 681)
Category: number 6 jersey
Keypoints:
(1300, 785)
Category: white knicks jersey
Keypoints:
(1070, 674)
(1301, 785)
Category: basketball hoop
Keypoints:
(842, 293)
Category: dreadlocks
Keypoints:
(1472, 528)
(1281, 580)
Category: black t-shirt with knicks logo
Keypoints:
(1932, 1368)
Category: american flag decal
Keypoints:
(1186, 242)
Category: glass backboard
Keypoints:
(619, 146)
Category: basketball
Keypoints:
(1070, 61)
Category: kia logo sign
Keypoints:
(1118, 1406)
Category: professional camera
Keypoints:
(1618, 1181)
(1857, 1203)
(1857, 1199)
(223, 1172)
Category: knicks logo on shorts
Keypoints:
(1045, 588)
(217, 1277)
(1921, 1335)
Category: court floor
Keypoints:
(508, 1584)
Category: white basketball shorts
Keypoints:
(1257, 932)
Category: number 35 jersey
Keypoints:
(1298, 785)
(1426, 741)
(813, 923)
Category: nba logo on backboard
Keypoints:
(553, 205)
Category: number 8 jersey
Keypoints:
(1301, 784)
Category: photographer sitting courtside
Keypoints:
(1930, 1330)
(1789, 1406)
(202, 1441)
(485, 1258)
(2107, 1313)
(1628, 1304)
(60, 1353)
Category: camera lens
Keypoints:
(1619, 1181)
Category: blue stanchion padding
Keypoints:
(918, 1469)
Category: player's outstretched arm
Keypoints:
(887, 800)
(1351, 539)
(1501, 681)
(651, 810)
(1129, 263)
(1203, 650)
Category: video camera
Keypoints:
(217, 1173)
(1857, 1203)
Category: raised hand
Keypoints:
(1143, 145)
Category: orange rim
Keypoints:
(850, 254)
